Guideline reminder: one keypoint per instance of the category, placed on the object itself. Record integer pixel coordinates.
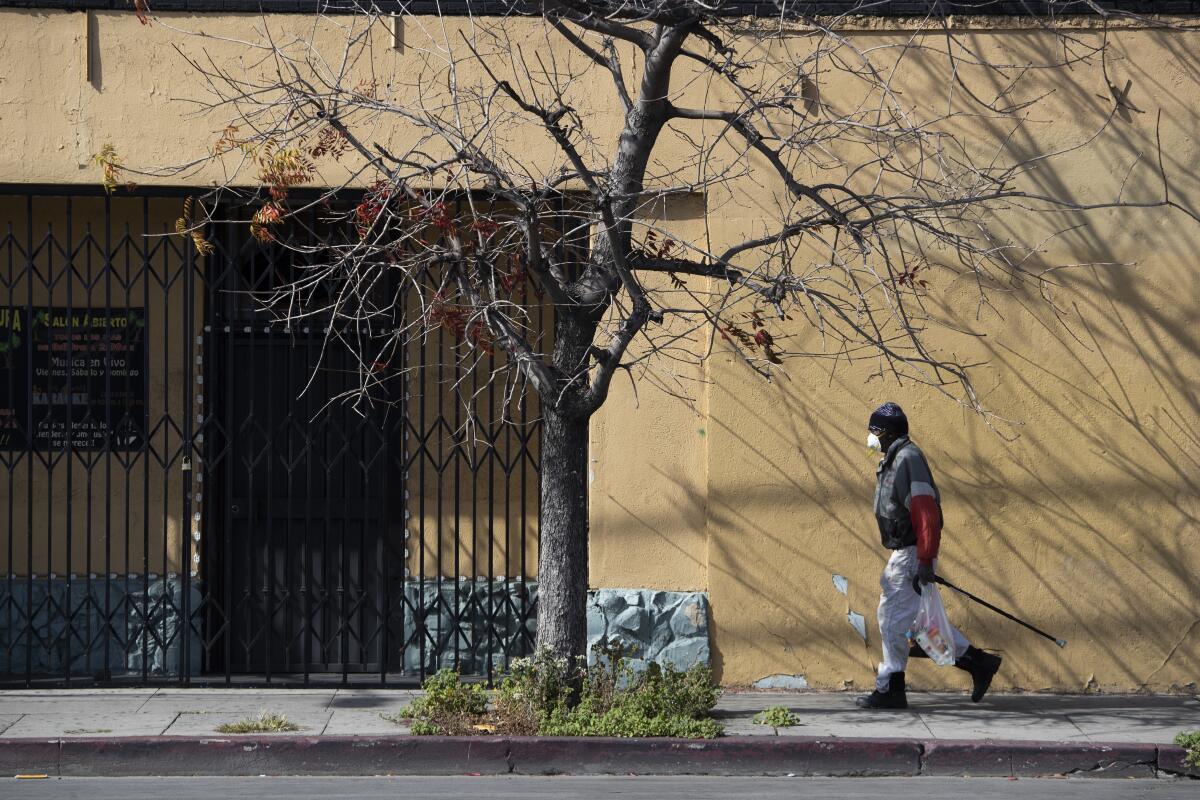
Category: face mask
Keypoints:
(874, 443)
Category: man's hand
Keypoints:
(925, 573)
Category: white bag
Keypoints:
(931, 628)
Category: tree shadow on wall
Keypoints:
(1116, 375)
(1070, 536)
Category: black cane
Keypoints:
(1000, 611)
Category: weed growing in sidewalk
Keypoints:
(545, 695)
(265, 722)
(1190, 741)
(449, 707)
(776, 717)
(615, 701)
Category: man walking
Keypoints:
(908, 510)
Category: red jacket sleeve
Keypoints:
(914, 483)
(927, 524)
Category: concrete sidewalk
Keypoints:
(86, 732)
(324, 712)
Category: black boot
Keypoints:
(982, 666)
(892, 698)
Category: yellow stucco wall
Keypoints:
(1086, 522)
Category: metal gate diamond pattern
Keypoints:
(210, 520)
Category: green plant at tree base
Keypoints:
(776, 717)
(613, 700)
(547, 696)
(1190, 741)
(448, 707)
(422, 728)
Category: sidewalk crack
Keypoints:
(14, 722)
(147, 700)
(1161, 769)
(1106, 765)
(174, 719)
(1075, 725)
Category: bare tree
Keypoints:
(508, 173)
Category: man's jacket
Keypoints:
(908, 507)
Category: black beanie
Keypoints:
(890, 417)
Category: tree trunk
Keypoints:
(563, 536)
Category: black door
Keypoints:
(311, 543)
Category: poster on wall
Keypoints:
(78, 375)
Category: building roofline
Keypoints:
(880, 8)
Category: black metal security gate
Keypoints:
(184, 504)
(302, 492)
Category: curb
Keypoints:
(502, 755)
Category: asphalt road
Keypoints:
(571, 788)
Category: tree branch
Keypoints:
(609, 62)
(583, 16)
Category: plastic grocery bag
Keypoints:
(931, 628)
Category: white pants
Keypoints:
(898, 607)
